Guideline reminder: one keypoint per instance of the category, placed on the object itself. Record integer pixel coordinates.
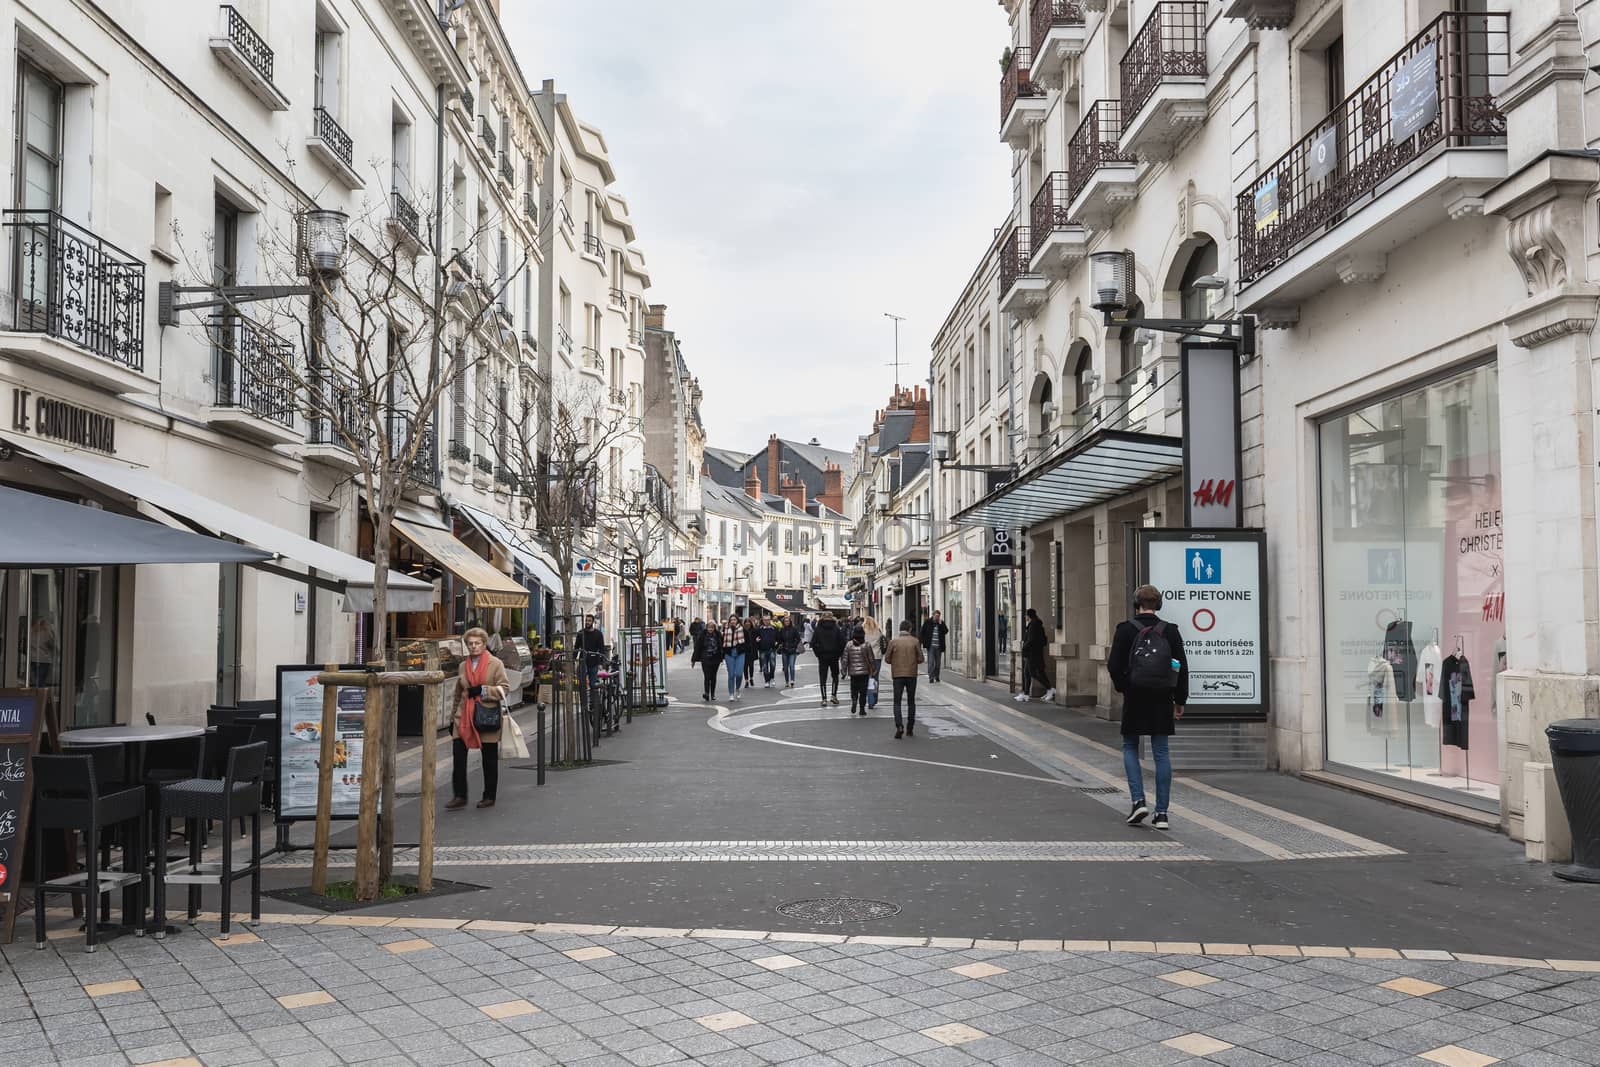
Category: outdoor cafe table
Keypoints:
(136, 737)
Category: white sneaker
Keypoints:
(1049, 696)
(1020, 697)
(1025, 698)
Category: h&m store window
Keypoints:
(1414, 589)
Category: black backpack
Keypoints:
(1150, 661)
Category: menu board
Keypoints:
(21, 714)
(300, 744)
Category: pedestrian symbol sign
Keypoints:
(1203, 566)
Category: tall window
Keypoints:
(400, 146)
(39, 139)
(986, 354)
(325, 62)
(458, 404)
(1333, 71)
(224, 271)
(1083, 378)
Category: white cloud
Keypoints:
(795, 169)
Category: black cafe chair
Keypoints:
(217, 714)
(197, 800)
(70, 797)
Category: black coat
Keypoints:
(1034, 639)
(790, 639)
(927, 634)
(827, 640)
(1146, 712)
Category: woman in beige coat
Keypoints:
(482, 681)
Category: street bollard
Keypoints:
(539, 721)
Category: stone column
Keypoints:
(1547, 376)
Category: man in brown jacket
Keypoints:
(905, 656)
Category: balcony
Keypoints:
(563, 340)
(336, 417)
(508, 173)
(1415, 146)
(252, 371)
(592, 245)
(424, 467)
(505, 479)
(619, 299)
(618, 398)
(592, 363)
(636, 338)
(1059, 244)
(464, 104)
(245, 53)
(404, 222)
(486, 134)
(1102, 179)
(1164, 80)
(1022, 100)
(1021, 290)
(76, 303)
(1058, 39)
(330, 144)
(530, 207)
(564, 216)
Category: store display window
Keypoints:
(1413, 587)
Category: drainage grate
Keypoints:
(831, 911)
(1097, 790)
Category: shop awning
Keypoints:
(766, 605)
(831, 602)
(42, 531)
(527, 554)
(1101, 467)
(490, 588)
(337, 571)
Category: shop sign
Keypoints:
(583, 565)
(788, 599)
(630, 566)
(1211, 437)
(1002, 548)
(663, 572)
(686, 590)
(917, 563)
(1414, 94)
(691, 578)
(57, 420)
(1213, 585)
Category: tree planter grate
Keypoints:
(833, 911)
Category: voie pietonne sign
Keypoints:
(1213, 585)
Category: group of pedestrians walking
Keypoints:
(744, 646)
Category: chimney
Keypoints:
(794, 492)
(752, 484)
(774, 460)
(918, 403)
(655, 316)
(833, 487)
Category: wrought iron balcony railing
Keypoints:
(1172, 43)
(467, 102)
(504, 475)
(1438, 92)
(563, 338)
(507, 171)
(1049, 211)
(253, 370)
(483, 464)
(1016, 258)
(250, 43)
(330, 133)
(1015, 83)
(337, 414)
(592, 244)
(591, 359)
(460, 452)
(530, 206)
(1094, 145)
(486, 132)
(636, 337)
(565, 214)
(68, 283)
(618, 297)
(1048, 13)
(424, 468)
(619, 397)
(405, 214)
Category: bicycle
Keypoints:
(611, 696)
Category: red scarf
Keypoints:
(476, 669)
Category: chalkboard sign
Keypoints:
(21, 715)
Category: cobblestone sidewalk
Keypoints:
(329, 994)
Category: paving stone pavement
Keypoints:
(326, 994)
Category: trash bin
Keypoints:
(1575, 752)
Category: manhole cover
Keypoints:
(832, 911)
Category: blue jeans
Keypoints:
(769, 665)
(734, 661)
(1130, 764)
(788, 667)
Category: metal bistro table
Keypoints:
(136, 737)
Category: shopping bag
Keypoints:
(512, 741)
(872, 692)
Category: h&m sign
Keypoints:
(1212, 459)
(57, 420)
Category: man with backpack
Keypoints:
(827, 641)
(1148, 667)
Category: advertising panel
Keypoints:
(1214, 585)
(300, 744)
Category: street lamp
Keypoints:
(1111, 277)
(324, 236)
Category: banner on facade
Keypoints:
(1214, 589)
(1414, 93)
(1266, 204)
(1211, 435)
(1323, 157)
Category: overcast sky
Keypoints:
(795, 169)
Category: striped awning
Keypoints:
(1101, 467)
